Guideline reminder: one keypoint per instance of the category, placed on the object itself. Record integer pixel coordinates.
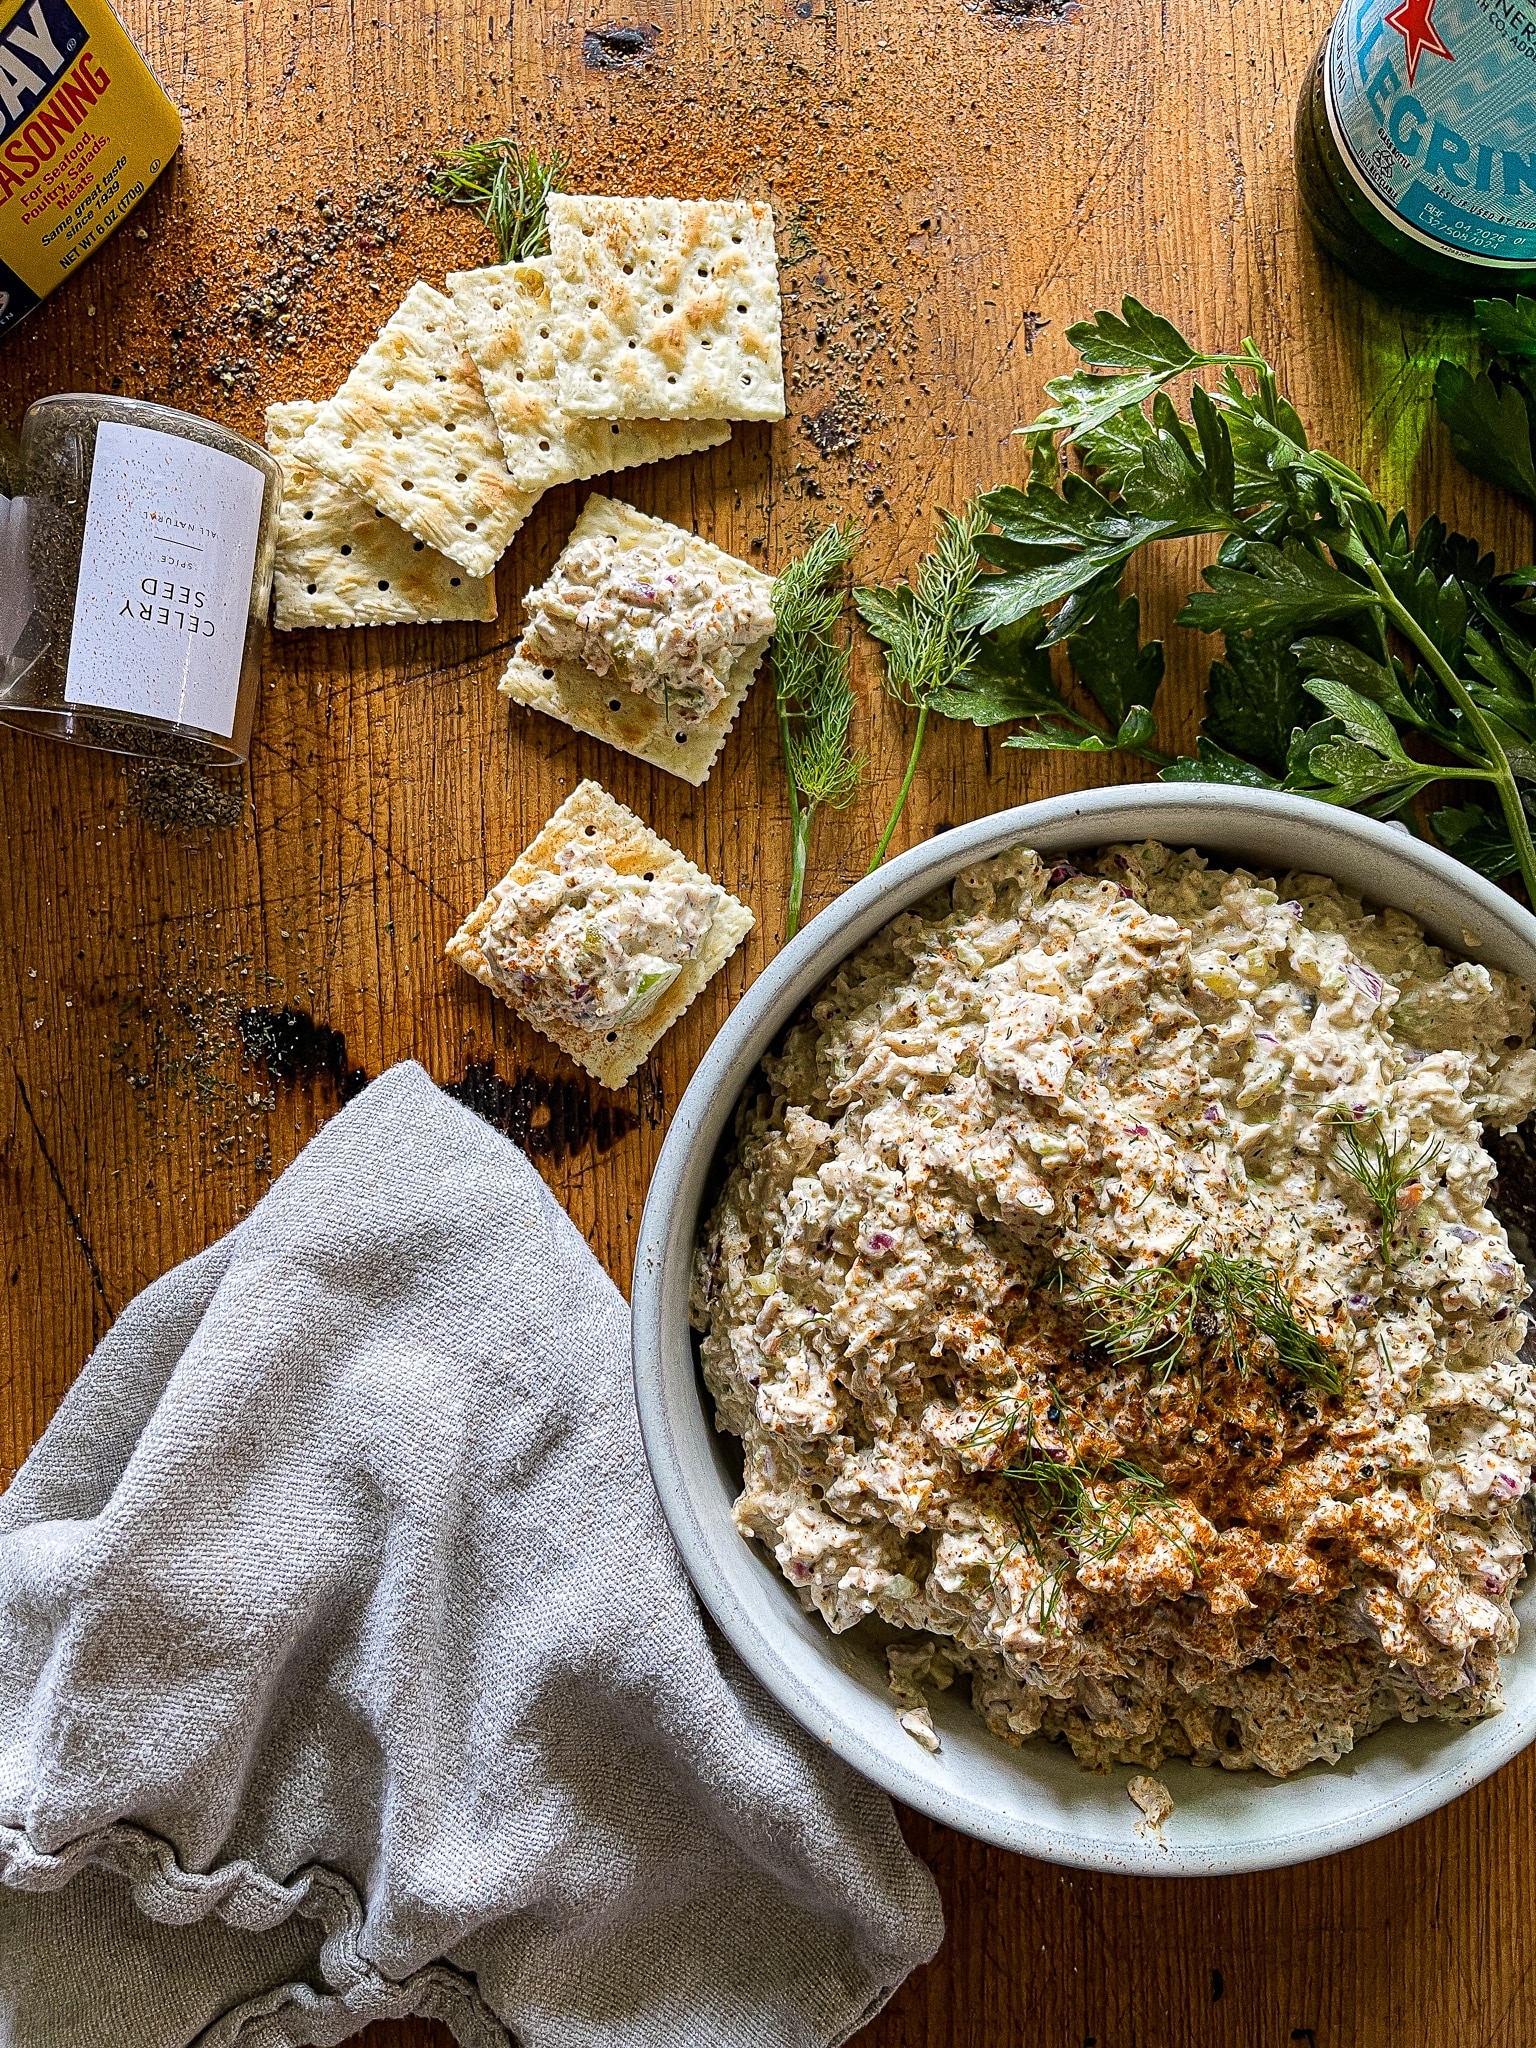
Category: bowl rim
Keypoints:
(1444, 894)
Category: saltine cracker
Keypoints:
(411, 432)
(605, 706)
(508, 329)
(342, 563)
(666, 308)
(591, 818)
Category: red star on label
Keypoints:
(1414, 21)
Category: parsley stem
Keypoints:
(905, 791)
(1499, 771)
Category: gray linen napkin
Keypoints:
(347, 1669)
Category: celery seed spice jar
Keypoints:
(135, 576)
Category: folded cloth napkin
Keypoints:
(347, 1669)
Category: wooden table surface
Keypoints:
(955, 182)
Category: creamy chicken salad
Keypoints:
(1106, 1296)
(585, 945)
(657, 622)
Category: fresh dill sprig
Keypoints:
(1385, 1171)
(921, 624)
(813, 692)
(1059, 1491)
(1075, 1509)
(1155, 1318)
(1249, 1292)
(509, 188)
(1069, 1515)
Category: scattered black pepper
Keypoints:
(548, 1119)
(291, 1046)
(838, 427)
(177, 1044)
(271, 309)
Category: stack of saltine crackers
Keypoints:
(649, 327)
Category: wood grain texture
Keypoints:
(954, 183)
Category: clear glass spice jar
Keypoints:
(135, 576)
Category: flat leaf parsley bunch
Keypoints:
(1365, 662)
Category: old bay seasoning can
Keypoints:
(84, 132)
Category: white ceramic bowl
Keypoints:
(1038, 1799)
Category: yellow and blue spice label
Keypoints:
(85, 130)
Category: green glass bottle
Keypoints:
(1416, 147)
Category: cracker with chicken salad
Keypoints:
(600, 934)
(666, 308)
(410, 430)
(508, 329)
(341, 562)
(645, 636)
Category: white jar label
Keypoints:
(171, 531)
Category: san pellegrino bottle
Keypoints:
(1416, 146)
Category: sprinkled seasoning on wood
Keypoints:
(175, 798)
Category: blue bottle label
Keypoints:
(1434, 104)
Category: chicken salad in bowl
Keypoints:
(1101, 1282)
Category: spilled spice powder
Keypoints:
(548, 1119)
(291, 1046)
(174, 798)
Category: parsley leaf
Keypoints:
(1359, 717)
(1324, 654)
(1051, 544)
(1138, 728)
(1508, 325)
(1010, 678)
(1111, 663)
(1137, 731)
(1326, 597)
(1352, 773)
(1141, 350)
(1009, 681)
(1278, 590)
(1506, 689)
(1479, 836)
(1136, 341)
(1489, 426)
(1049, 738)
(1255, 700)
(1116, 449)
(1214, 764)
